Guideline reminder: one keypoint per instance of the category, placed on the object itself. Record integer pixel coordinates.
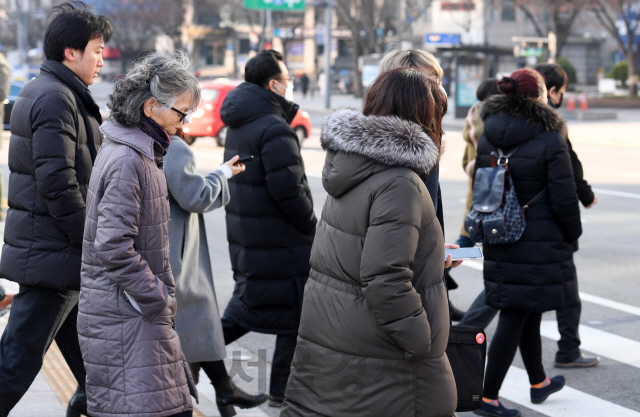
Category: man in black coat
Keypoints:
(54, 140)
(270, 219)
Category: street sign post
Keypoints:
(279, 5)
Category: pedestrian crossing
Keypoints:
(572, 402)
(569, 402)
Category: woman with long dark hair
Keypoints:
(375, 319)
(536, 273)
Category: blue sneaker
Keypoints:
(539, 395)
(496, 411)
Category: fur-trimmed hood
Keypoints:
(531, 111)
(379, 142)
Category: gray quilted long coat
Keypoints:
(134, 362)
(375, 320)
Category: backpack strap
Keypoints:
(526, 206)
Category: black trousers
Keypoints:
(480, 314)
(38, 316)
(282, 355)
(515, 329)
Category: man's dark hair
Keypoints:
(73, 25)
(554, 75)
(263, 67)
(487, 88)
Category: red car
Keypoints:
(206, 120)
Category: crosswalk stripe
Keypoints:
(605, 302)
(569, 402)
(610, 303)
(600, 342)
(616, 193)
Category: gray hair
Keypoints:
(162, 76)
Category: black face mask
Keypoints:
(557, 106)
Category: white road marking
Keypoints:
(600, 342)
(610, 303)
(568, 402)
(604, 302)
(616, 193)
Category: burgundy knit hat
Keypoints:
(524, 82)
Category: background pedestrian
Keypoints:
(270, 218)
(198, 319)
(536, 273)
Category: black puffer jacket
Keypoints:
(54, 140)
(537, 272)
(270, 219)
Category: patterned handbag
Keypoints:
(496, 216)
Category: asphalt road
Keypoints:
(608, 263)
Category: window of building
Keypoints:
(508, 11)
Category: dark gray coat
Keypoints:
(536, 273)
(134, 362)
(190, 195)
(375, 319)
(54, 139)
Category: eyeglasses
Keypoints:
(289, 79)
(181, 114)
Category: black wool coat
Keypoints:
(537, 272)
(270, 219)
(55, 135)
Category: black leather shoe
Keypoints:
(582, 361)
(77, 404)
(275, 401)
(228, 395)
(456, 314)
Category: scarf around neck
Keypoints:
(157, 133)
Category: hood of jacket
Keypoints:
(130, 136)
(510, 120)
(370, 144)
(249, 102)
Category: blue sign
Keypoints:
(442, 39)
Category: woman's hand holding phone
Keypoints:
(448, 262)
(236, 167)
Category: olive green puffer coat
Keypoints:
(375, 321)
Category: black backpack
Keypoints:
(495, 216)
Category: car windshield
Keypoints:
(208, 94)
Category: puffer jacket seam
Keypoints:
(353, 354)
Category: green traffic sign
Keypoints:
(280, 5)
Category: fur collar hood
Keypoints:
(531, 111)
(389, 140)
(371, 144)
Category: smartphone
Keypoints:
(463, 253)
(244, 159)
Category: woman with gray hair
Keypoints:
(126, 321)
